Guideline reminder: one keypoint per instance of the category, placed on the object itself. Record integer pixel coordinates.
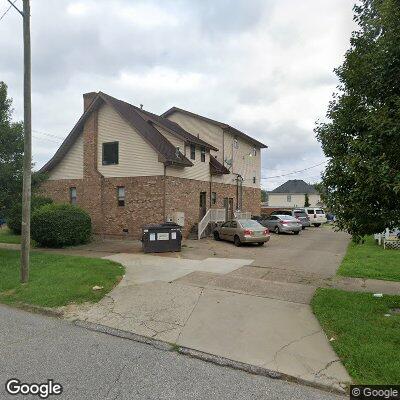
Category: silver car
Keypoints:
(282, 223)
(298, 213)
(242, 231)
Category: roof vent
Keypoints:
(141, 106)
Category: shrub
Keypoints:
(15, 215)
(59, 225)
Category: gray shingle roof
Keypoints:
(295, 186)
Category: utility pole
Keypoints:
(26, 188)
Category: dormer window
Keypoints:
(192, 151)
(110, 153)
(235, 143)
(203, 154)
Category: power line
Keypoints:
(8, 9)
(48, 134)
(294, 172)
(48, 139)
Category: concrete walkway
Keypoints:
(252, 321)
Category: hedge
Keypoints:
(15, 215)
(59, 225)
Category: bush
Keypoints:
(59, 225)
(15, 215)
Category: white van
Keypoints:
(317, 216)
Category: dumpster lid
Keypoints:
(163, 225)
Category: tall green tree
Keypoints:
(362, 136)
(11, 154)
(306, 200)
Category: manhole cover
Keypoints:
(395, 310)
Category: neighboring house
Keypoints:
(292, 194)
(128, 167)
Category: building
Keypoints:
(128, 167)
(292, 194)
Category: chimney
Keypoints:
(87, 99)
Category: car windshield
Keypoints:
(250, 224)
(319, 211)
(286, 217)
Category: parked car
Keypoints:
(299, 213)
(242, 231)
(282, 223)
(317, 216)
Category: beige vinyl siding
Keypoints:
(210, 133)
(297, 200)
(172, 139)
(199, 171)
(242, 163)
(71, 166)
(136, 156)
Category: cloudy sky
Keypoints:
(263, 66)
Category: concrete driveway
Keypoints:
(246, 304)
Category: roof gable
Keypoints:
(222, 125)
(168, 153)
(295, 186)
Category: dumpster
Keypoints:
(161, 238)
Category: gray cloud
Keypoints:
(264, 66)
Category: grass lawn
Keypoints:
(6, 236)
(56, 280)
(367, 342)
(369, 260)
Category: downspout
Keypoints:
(165, 194)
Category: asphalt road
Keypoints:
(91, 365)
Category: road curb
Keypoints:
(218, 360)
(49, 312)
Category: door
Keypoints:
(203, 205)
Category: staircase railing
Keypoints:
(242, 214)
(212, 215)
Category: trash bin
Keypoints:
(161, 238)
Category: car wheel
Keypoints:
(261, 243)
(237, 241)
(317, 225)
(277, 230)
(296, 233)
(216, 236)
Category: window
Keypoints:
(121, 196)
(254, 179)
(254, 151)
(72, 195)
(203, 154)
(213, 197)
(235, 143)
(110, 153)
(234, 224)
(192, 151)
(289, 198)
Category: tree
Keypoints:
(264, 195)
(306, 200)
(362, 136)
(11, 154)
